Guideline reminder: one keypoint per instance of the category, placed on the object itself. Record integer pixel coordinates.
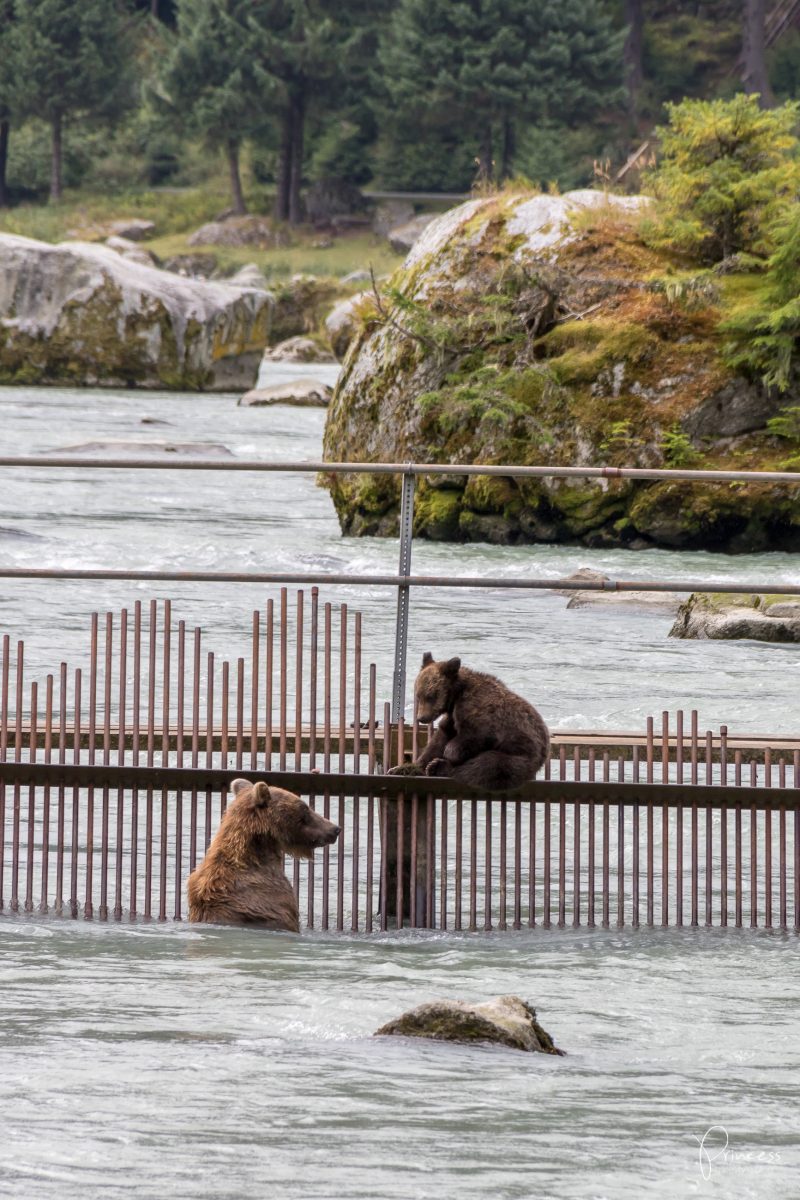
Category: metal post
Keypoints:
(403, 597)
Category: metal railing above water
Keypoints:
(403, 581)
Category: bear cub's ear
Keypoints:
(261, 796)
(239, 785)
(427, 658)
(452, 666)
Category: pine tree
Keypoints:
(73, 62)
(487, 64)
(213, 80)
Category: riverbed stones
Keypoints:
(299, 393)
(724, 617)
(505, 1021)
(82, 314)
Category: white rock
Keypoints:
(404, 237)
(135, 229)
(300, 393)
(84, 314)
(298, 350)
(341, 322)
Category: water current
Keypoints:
(163, 1061)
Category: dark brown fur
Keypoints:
(241, 879)
(488, 736)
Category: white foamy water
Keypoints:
(163, 1061)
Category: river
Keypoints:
(167, 1061)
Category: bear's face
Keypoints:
(435, 688)
(273, 813)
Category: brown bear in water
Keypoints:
(488, 736)
(241, 880)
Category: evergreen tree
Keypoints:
(487, 64)
(213, 80)
(73, 62)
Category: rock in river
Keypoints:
(725, 617)
(538, 329)
(504, 1021)
(81, 314)
(300, 393)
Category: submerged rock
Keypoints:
(300, 393)
(538, 329)
(120, 449)
(504, 1021)
(662, 601)
(80, 313)
(721, 616)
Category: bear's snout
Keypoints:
(331, 835)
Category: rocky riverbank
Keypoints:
(80, 313)
(534, 329)
(723, 617)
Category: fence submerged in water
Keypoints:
(112, 783)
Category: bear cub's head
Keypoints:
(436, 687)
(285, 818)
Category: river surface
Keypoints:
(164, 1061)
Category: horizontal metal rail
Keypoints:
(181, 463)
(437, 581)
(202, 779)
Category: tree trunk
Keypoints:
(632, 53)
(284, 166)
(296, 174)
(485, 160)
(56, 160)
(239, 206)
(5, 127)
(754, 65)
(509, 146)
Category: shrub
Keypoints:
(727, 171)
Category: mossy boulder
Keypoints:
(79, 313)
(505, 1021)
(534, 330)
(721, 616)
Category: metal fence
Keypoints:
(112, 783)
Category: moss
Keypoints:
(436, 514)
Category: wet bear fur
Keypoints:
(488, 736)
(241, 880)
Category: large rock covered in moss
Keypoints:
(532, 330)
(79, 313)
(724, 617)
(505, 1021)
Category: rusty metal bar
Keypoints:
(493, 583)
(512, 471)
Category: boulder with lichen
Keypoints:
(505, 1021)
(722, 616)
(538, 329)
(82, 314)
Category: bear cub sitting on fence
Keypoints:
(241, 879)
(488, 736)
